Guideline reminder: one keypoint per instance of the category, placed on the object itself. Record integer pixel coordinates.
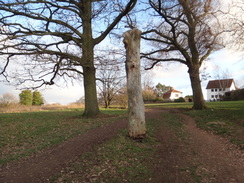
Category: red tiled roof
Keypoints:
(222, 83)
(175, 91)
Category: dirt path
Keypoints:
(49, 163)
(218, 157)
(196, 155)
(192, 156)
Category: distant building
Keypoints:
(172, 94)
(216, 88)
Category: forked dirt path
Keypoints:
(195, 156)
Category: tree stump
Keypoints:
(136, 111)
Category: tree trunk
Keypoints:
(91, 104)
(198, 100)
(89, 71)
(106, 104)
(137, 124)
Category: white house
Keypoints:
(216, 88)
(172, 94)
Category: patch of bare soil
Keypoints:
(189, 157)
(197, 156)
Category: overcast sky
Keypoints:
(174, 75)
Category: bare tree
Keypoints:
(121, 99)
(8, 99)
(53, 39)
(111, 76)
(186, 31)
(220, 73)
(148, 90)
(233, 20)
(224, 79)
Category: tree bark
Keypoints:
(89, 71)
(198, 100)
(91, 104)
(136, 114)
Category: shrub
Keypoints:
(234, 95)
(181, 99)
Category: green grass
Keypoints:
(113, 111)
(227, 122)
(232, 105)
(185, 105)
(211, 105)
(120, 159)
(225, 118)
(21, 134)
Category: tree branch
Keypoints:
(127, 9)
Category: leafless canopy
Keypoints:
(233, 20)
(44, 38)
(110, 75)
(187, 31)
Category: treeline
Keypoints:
(113, 96)
(26, 97)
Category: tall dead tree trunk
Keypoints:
(137, 124)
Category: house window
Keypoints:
(212, 96)
(216, 89)
(176, 95)
(216, 96)
(224, 89)
(212, 90)
(220, 89)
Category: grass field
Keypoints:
(115, 160)
(21, 134)
(223, 118)
(210, 105)
(120, 159)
